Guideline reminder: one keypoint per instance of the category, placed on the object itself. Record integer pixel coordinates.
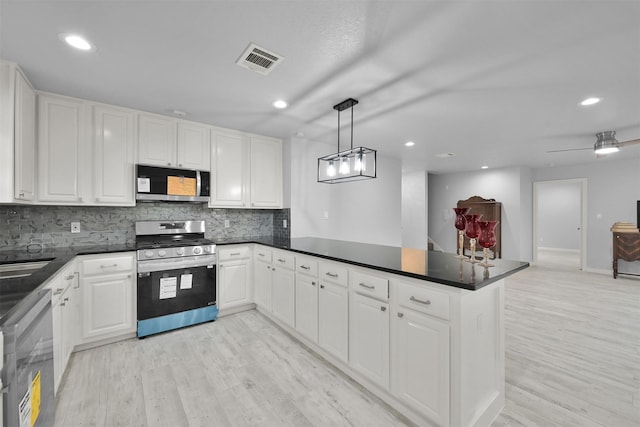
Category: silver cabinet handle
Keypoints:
(383, 308)
(234, 253)
(261, 254)
(334, 275)
(58, 291)
(400, 315)
(62, 304)
(419, 301)
(282, 260)
(305, 267)
(71, 276)
(364, 285)
(108, 266)
(321, 286)
(313, 283)
(21, 195)
(66, 299)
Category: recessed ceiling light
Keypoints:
(280, 104)
(179, 113)
(484, 167)
(409, 143)
(77, 42)
(590, 101)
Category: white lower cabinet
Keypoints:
(421, 363)
(64, 303)
(307, 287)
(369, 338)
(108, 288)
(262, 277)
(234, 277)
(283, 287)
(333, 310)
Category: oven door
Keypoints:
(171, 286)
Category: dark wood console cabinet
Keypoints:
(626, 246)
(490, 210)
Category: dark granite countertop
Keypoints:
(18, 294)
(438, 267)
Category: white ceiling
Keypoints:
(495, 82)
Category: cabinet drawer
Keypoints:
(263, 253)
(366, 284)
(333, 272)
(424, 300)
(306, 265)
(234, 252)
(284, 259)
(107, 265)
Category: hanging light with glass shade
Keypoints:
(348, 165)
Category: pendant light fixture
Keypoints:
(349, 165)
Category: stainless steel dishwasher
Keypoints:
(27, 374)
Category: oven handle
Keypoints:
(175, 263)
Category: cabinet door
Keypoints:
(107, 306)
(262, 282)
(229, 171)
(283, 295)
(421, 364)
(307, 306)
(266, 173)
(233, 281)
(113, 156)
(62, 149)
(333, 319)
(58, 366)
(369, 338)
(156, 140)
(24, 140)
(193, 146)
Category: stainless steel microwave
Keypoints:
(155, 183)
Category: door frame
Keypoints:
(583, 216)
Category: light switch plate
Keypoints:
(227, 223)
(284, 223)
(75, 227)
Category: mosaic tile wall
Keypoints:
(50, 226)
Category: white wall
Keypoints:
(414, 209)
(503, 185)
(559, 206)
(361, 211)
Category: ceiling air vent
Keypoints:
(258, 59)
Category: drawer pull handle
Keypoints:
(334, 275)
(262, 254)
(66, 299)
(313, 283)
(108, 266)
(383, 308)
(305, 267)
(364, 285)
(58, 291)
(419, 301)
(401, 315)
(71, 276)
(234, 253)
(282, 260)
(62, 304)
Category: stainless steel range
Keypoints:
(176, 275)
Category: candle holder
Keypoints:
(472, 230)
(487, 239)
(461, 223)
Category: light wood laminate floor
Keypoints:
(572, 359)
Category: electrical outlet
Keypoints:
(227, 223)
(75, 227)
(284, 223)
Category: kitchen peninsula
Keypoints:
(422, 330)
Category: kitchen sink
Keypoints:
(21, 269)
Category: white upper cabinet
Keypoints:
(193, 146)
(165, 141)
(24, 139)
(246, 171)
(229, 173)
(113, 155)
(266, 172)
(17, 136)
(62, 149)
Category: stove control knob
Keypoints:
(180, 251)
(197, 250)
(162, 252)
(148, 254)
(207, 249)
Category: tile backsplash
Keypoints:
(50, 226)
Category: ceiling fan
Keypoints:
(606, 143)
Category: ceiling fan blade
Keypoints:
(569, 149)
(630, 142)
